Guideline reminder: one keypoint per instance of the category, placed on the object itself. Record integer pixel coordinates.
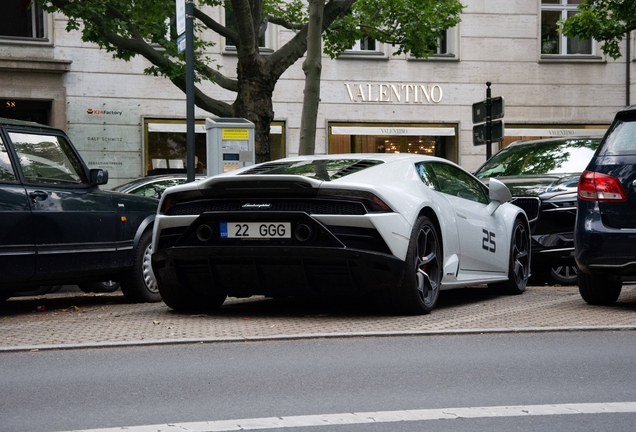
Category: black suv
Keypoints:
(605, 230)
(57, 227)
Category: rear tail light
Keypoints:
(372, 201)
(165, 205)
(595, 186)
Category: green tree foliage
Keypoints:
(607, 21)
(128, 28)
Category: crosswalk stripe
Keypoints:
(381, 417)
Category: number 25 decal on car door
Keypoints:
(488, 242)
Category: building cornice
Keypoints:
(12, 64)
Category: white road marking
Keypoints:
(381, 417)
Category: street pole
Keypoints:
(190, 164)
(488, 122)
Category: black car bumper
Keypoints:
(276, 270)
(553, 249)
(602, 249)
(315, 259)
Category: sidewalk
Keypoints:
(72, 320)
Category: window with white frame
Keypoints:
(365, 44)
(266, 41)
(552, 41)
(22, 19)
(447, 44)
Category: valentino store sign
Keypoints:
(396, 93)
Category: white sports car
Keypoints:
(398, 226)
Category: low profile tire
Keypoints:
(182, 299)
(99, 287)
(598, 289)
(519, 264)
(138, 283)
(564, 275)
(419, 290)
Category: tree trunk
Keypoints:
(312, 66)
(254, 101)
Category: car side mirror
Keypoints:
(99, 176)
(499, 194)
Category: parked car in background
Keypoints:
(57, 226)
(605, 232)
(400, 227)
(542, 176)
(153, 186)
(149, 186)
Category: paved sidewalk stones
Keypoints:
(91, 320)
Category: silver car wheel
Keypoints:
(148, 274)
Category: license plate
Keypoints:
(255, 230)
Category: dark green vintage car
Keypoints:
(59, 228)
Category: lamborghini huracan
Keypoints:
(400, 227)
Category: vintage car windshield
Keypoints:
(320, 169)
(541, 158)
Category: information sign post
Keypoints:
(488, 123)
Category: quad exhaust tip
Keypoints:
(204, 233)
(303, 232)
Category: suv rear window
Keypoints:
(620, 140)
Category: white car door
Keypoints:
(483, 240)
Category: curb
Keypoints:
(459, 332)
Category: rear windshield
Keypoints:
(320, 169)
(621, 139)
(541, 158)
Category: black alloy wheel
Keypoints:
(419, 290)
(519, 263)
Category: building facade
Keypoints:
(371, 101)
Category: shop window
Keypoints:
(165, 145)
(433, 140)
(21, 19)
(516, 132)
(555, 43)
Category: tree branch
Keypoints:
(289, 53)
(283, 23)
(216, 27)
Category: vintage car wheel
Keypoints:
(519, 264)
(419, 290)
(139, 284)
(599, 290)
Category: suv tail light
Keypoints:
(595, 186)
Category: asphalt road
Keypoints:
(321, 380)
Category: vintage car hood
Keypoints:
(540, 184)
